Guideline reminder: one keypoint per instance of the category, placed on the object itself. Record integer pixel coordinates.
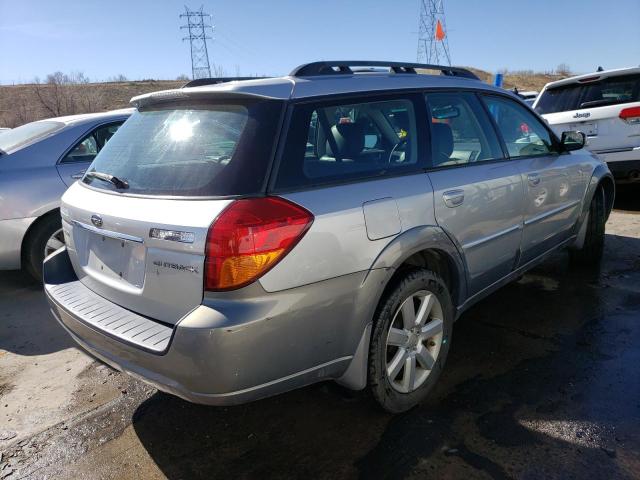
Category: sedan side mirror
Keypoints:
(573, 140)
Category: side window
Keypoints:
(348, 141)
(87, 148)
(461, 132)
(521, 130)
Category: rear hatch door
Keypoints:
(146, 255)
(136, 224)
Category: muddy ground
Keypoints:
(542, 381)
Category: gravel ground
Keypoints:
(543, 381)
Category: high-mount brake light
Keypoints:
(249, 237)
(589, 79)
(630, 115)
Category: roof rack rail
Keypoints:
(198, 82)
(344, 67)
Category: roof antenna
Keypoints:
(600, 69)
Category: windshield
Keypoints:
(609, 91)
(191, 150)
(21, 136)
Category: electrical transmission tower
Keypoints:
(198, 24)
(433, 46)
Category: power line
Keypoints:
(198, 24)
(433, 46)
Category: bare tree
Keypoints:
(66, 94)
(183, 78)
(564, 70)
(118, 78)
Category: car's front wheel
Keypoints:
(410, 340)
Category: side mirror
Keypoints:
(573, 140)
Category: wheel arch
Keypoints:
(32, 228)
(421, 247)
(600, 178)
(424, 247)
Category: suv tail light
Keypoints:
(630, 115)
(250, 237)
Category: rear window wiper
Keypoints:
(122, 184)
(598, 103)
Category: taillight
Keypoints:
(630, 115)
(249, 238)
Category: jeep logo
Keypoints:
(582, 115)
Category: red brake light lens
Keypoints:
(249, 238)
(630, 115)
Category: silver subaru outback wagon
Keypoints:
(238, 240)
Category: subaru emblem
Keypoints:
(96, 220)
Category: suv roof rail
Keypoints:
(344, 67)
(198, 82)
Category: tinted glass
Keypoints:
(336, 142)
(522, 132)
(559, 99)
(192, 150)
(460, 130)
(87, 149)
(29, 133)
(609, 91)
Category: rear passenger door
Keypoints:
(78, 158)
(478, 193)
(554, 183)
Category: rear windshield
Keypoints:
(191, 150)
(609, 91)
(26, 134)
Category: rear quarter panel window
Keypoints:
(337, 141)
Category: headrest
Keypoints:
(442, 140)
(349, 139)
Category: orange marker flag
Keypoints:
(439, 31)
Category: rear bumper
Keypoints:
(624, 164)
(625, 171)
(11, 235)
(233, 353)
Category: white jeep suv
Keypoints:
(604, 105)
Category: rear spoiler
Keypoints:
(199, 82)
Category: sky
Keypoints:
(142, 39)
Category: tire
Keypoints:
(590, 255)
(389, 392)
(36, 242)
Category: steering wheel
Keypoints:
(395, 147)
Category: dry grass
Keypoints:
(20, 104)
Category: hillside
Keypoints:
(25, 103)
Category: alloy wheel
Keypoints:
(414, 340)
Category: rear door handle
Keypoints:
(453, 198)
(78, 175)
(534, 179)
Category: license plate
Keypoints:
(117, 259)
(588, 128)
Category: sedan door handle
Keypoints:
(534, 179)
(453, 198)
(78, 175)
